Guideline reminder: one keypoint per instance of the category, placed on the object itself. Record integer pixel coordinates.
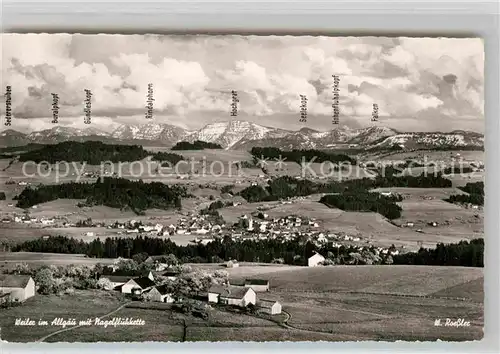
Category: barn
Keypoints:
(232, 295)
(258, 285)
(116, 280)
(137, 285)
(270, 307)
(16, 287)
(160, 294)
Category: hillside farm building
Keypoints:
(258, 285)
(116, 280)
(315, 260)
(232, 295)
(270, 307)
(16, 287)
(137, 285)
(160, 294)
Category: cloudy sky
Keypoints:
(419, 84)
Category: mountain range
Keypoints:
(239, 134)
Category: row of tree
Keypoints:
(268, 251)
(475, 194)
(195, 145)
(91, 152)
(359, 201)
(168, 158)
(113, 192)
(464, 253)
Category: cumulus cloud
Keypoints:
(193, 76)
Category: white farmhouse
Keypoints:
(137, 285)
(315, 260)
(232, 295)
(160, 294)
(16, 287)
(270, 307)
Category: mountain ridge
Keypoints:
(239, 134)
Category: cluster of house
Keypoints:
(238, 293)
(472, 206)
(16, 288)
(195, 224)
(56, 221)
(134, 226)
(26, 219)
(198, 225)
(22, 183)
(139, 285)
(284, 228)
(243, 293)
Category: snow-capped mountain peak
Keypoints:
(230, 133)
(239, 134)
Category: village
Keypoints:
(204, 229)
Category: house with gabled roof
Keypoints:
(137, 285)
(157, 262)
(160, 293)
(232, 295)
(315, 260)
(271, 307)
(258, 285)
(16, 287)
(116, 280)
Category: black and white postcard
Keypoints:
(179, 188)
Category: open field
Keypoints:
(425, 205)
(320, 303)
(472, 289)
(35, 258)
(459, 180)
(247, 269)
(409, 280)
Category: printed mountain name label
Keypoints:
(336, 96)
(303, 109)
(375, 113)
(234, 103)
(8, 105)
(149, 102)
(55, 108)
(88, 106)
